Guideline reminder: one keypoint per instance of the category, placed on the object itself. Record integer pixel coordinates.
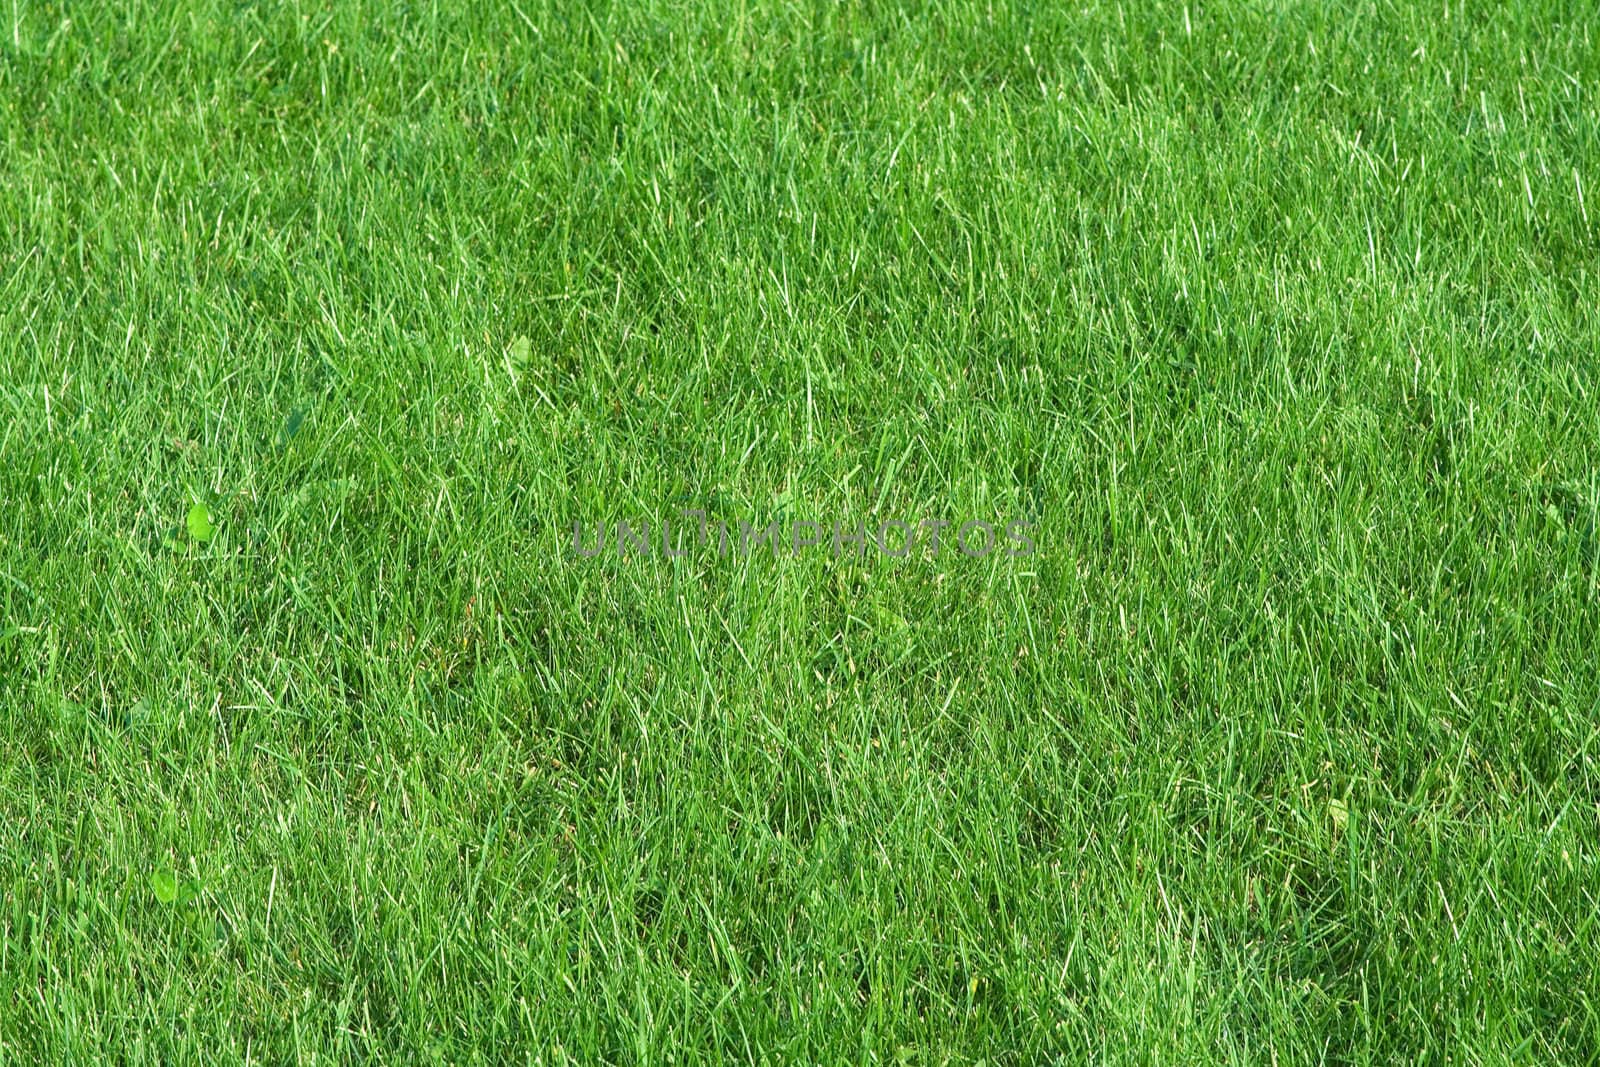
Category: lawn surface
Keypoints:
(320, 325)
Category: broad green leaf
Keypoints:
(521, 351)
(1339, 813)
(164, 884)
(200, 525)
(291, 426)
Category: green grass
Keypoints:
(1279, 317)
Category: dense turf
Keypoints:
(1280, 318)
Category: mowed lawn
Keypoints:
(322, 324)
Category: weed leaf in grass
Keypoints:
(291, 427)
(1339, 813)
(518, 358)
(164, 883)
(200, 525)
(170, 889)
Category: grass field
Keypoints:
(321, 325)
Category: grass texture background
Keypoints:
(1279, 317)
